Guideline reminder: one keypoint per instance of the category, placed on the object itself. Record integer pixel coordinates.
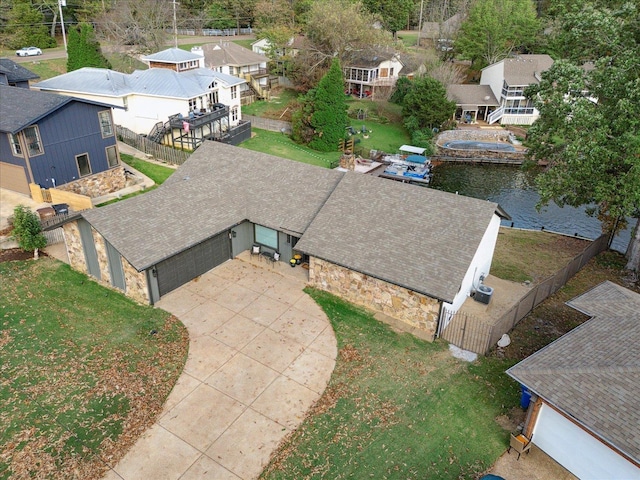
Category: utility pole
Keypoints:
(63, 3)
(175, 24)
(420, 22)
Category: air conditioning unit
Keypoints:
(483, 294)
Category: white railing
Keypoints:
(496, 115)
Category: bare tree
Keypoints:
(142, 24)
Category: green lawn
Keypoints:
(409, 39)
(157, 173)
(275, 143)
(273, 108)
(398, 407)
(47, 68)
(84, 370)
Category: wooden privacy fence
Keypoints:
(478, 335)
(75, 201)
(155, 150)
(269, 124)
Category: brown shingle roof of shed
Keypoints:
(411, 236)
(229, 53)
(592, 373)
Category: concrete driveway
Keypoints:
(261, 352)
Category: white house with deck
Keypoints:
(148, 97)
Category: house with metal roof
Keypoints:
(585, 388)
(174, 59)
(398, 249)
(57, 141)
(149, 98)
(15, 75)
(500, 95)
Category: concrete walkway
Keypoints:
(261, 352)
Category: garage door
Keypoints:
(12, 177)
(185, 266)
(578, 451)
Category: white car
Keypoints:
(28, 51)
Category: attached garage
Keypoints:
(13, 177)
(187, 265)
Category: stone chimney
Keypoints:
(348, 160)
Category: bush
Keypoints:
(27, 230)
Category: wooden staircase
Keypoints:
(158, 132)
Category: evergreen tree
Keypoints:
(426, 105)
(26, 27)
(27, 230)
(83, 49)
(329, 117)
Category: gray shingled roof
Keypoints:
(229, 53)
(21, 107)
(15, 72)
(526, 69)
(412, 236)
(592, 374)
(161, 82)
(172, 55)
(415, 237)
(217, 188)
(472, 95)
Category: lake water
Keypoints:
(515, 191)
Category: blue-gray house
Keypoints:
(55, 140)
(15, 75)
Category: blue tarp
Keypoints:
(416, 159)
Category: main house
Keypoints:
(57, 141)
(500, 95)
(585, 388)
(161, 102)
(428, 252)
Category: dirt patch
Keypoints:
(12, 254)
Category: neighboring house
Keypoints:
(151, 99)
(15, 75)
(506, 80)
(232, 59)
(585, 387)
(294, 45)
(175, 59)
(430, 249)
(57, 141)
(442, 31)
(368, 75)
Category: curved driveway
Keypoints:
(261, 352)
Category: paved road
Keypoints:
(53, 53)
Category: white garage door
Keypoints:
(12, 177)
(578, 451)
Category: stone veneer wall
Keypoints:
(414, 309)
(74, 247)
(135, 282)
(99, 184)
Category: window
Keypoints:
(266, 236)
(391, 72)
(112, 156)
(15, 145)
(192, 103)
(106, 125)
(234, 92)
(84, 167)
(32, 137)
(234, 114)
